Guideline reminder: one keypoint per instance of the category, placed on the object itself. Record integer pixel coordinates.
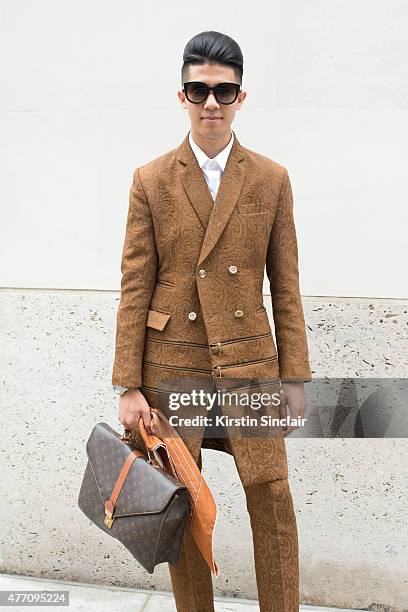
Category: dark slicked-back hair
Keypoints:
(211, 47)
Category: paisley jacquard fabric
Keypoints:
(191, 306)
(276, 554)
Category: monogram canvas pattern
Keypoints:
(152, 509)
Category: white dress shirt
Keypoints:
(213, 168)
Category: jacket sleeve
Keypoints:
(283, 275)
(138, 267)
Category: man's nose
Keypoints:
(211, 102)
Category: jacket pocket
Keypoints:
(251, 210)
(163, 298)
(156, 319)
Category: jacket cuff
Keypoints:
(124, 375)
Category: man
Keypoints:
(204, 220)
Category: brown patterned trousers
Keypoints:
(275, 549)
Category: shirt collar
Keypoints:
(202, 158)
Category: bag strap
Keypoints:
(110, 503)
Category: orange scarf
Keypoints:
(170, 453)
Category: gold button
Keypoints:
(201, 273)
(238, 313)
(192, 316)
(216, 348)
(233, 269)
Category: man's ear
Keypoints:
(181, 97)
(242, 97)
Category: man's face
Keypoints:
(211, 75)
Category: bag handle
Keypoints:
(127, 435)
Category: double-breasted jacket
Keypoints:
(191, 304)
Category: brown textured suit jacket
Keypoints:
(191, 300)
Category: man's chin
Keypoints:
(207, 130)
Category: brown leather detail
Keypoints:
(176, 457)
(156, 319)
(156, 505)
(110, 503)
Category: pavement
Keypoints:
(97, 598)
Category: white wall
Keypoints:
(327, 97)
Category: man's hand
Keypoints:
(132, 406)
(293, 396)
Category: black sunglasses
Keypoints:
(224, 93)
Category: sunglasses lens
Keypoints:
(226, 93)
(196, 92)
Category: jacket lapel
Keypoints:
(213, 215)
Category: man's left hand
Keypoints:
(293, 396)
